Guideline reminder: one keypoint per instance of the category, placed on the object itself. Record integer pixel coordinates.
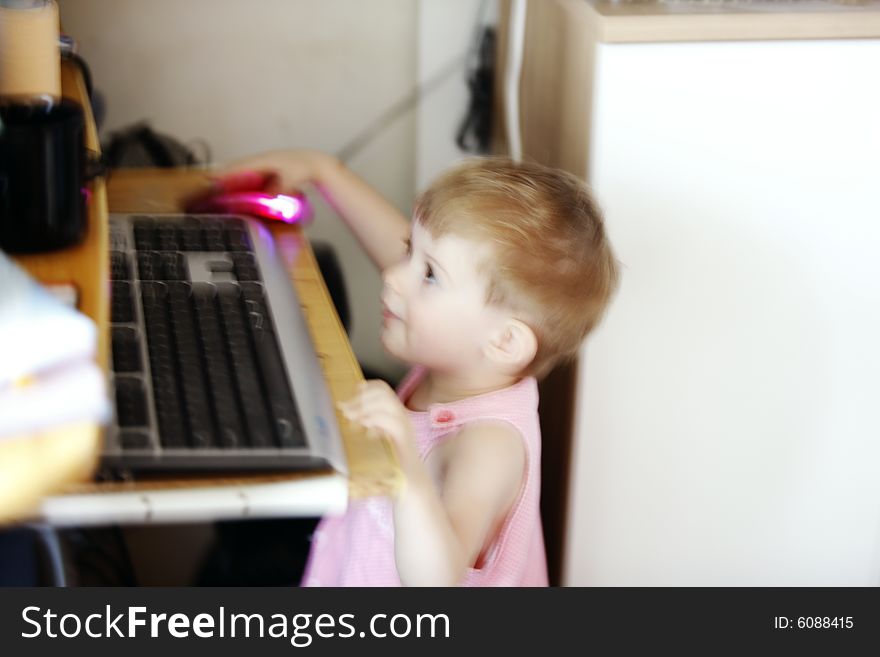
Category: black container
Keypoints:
(42, 175)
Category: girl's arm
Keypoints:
(440, 532)
(441, 529)
(379, 227)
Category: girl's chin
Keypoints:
(401, 356)
(389, 346)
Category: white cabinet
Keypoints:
(727, 422)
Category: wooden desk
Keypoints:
(63, 461)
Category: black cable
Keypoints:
(475, 131)
(397, 110)
(401, 107)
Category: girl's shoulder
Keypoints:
(520, 396)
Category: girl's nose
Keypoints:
(391, 278)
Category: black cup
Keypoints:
(42, 175)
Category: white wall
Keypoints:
(247, 76)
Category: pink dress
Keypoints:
(357, 549)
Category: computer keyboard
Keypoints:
(213, 365)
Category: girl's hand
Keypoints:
(377, 407)
(274, 171)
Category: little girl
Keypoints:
(502, 272)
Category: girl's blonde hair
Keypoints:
(552, 263)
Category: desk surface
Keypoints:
(60, 463)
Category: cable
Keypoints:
(475, 131)
(515, 46)
(48, 535)
(397, 110)
(414, 97)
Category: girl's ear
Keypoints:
(513, 346)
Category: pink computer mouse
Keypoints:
(263, 205)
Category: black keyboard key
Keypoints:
(149, 266)
(220, 376)
(213, 233)
(169, 239)
(191, 236)
(174, 267)
(145, 234)
(233, 223)
(247, 378)
(119, 268)
(121, 302)
(287, 425)
(131, 402)
(126, 350)
(237, 238)
(163, 366)
(245, 267)
(162, 266)
(190, 367)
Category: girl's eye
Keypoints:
(407, 243)
(429, 274)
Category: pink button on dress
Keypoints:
(357, 549)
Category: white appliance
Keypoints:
(727, 425)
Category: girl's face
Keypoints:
(434, 303)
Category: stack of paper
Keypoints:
(48, 376)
